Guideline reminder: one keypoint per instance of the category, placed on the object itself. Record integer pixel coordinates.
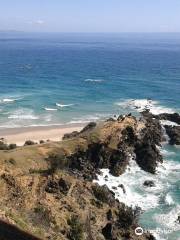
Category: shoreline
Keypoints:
(18, 136)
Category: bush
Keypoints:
(57, 161)
(76, 229)
(4, 146)
(42, 215)
(12, 161)
(128, 216)
(103, 194)
(12, 146)
(29, 142)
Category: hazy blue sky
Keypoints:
(90, 15)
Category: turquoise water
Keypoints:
(92, 72)
(48, 79)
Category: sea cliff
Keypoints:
(48, 190)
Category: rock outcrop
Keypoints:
(174, 134)
(47, 189)
(173, 117)
(147, 153)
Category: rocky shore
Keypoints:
(47, 190)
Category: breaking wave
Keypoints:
(144, 104)
(64, 105)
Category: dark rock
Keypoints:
(153, 131)
(90, 126)
(110, 120)
(173, 117)
(128, 136)
(149, 183)
(109, 215)
(70, 135)
(55, 186)
(120, 118)
(107, 231)
(103, 194)
(123, 188)
(118, 161)
(174, 134)
(64, 186)
(114, 188)
(97, 156)
(147, 154)
(51, 187)
(178, 219)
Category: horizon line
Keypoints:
(97, 32)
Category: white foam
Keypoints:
(169, 200)
(133, 179)
(50, 109)
(165, 153)
(23, 114)
(94, 80)
(169, 220)
(144, 104)
(64, 105)
(169, 123)
(9, 100)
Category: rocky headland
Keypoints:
(47, 189)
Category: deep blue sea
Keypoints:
(49, 79)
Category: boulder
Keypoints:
(178, 219)
(147, 156)
(173, 117)
(103, 194)
(174, 134)
(149, 183)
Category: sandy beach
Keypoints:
(52, 133)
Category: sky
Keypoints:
(90, 15)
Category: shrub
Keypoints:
(42, 215)
(103, 194)
(128, 216)
(29, 142)
(76, 229)
(12, 161)
(3, 146)
(57, 161)
(12, 146)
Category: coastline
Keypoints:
(37, 133)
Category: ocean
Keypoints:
(57, 79)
